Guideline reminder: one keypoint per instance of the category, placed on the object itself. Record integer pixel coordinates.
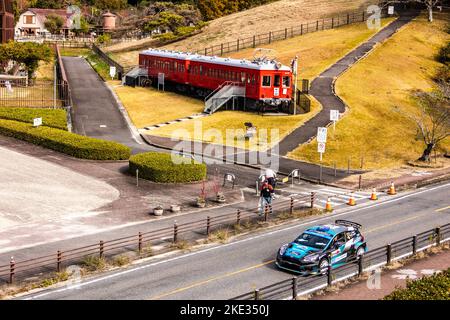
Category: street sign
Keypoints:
(112, 71)
(391, 10)
(37, 122)
(322, 134)
(321, 147)
(8, 86)
(334, 115)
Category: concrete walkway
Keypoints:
(322, 88)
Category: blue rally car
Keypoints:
(317, 247)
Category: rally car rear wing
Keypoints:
(348, 224)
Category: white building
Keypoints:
(31, 22)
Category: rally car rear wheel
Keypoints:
(323, 266)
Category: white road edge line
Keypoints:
(114, 275)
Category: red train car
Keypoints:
(266, 82)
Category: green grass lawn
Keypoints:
(371, 88)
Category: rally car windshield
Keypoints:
(311, 240)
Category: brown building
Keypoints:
(6, 21)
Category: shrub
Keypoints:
(159, 167)
(444, 54)
(69, 143)
(55, 118)
(435, 287)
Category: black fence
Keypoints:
(283, 34)
(373, 259)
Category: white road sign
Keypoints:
(391, 10)
(322, 134)
(37, 122)
(8, 86)
(321, 147)
(112, 71)
(334, 115)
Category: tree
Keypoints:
(27, 53)
(53, 23)
(430, 4)
(433, 122)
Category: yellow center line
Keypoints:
(211, 279)
(271, 261)
(442, 209)
(395, 223)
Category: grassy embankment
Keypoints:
(316, 51)
(386, 78)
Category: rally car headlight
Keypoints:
(283, 249)
(311, 258)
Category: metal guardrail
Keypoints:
(57, 261)
(109, 60)
(300, 286)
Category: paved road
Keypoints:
(225, 271)
(322, 88)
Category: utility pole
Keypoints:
(294, 86)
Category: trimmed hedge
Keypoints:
(159, 167)
(55, 118)
(69, 143)
(435, 287)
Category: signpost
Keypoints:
(321, 149)
(322, 134)
(391, 10)
(112, 72)
(37, 122)
(334, 116)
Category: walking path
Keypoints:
(322, 88)
(378, 285)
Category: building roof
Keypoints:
(41, 15)
(256, 64)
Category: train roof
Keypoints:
(256, 65)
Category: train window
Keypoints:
(286, 82)
(201, 70)
(253, 79)
(266, 81)
(276, 81)
(242, 76)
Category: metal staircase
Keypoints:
(222, 95)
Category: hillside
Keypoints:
(273, 16)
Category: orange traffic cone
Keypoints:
(351, 200)
(328, 206)
(391, 190)
(373, 196)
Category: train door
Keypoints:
(276, 86)
(251, 85)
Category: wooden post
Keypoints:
(360, 265)
(257, 294)
(221, 49)
(254, 41)
(285, 33)
(266, 212)
(438, 236)
(317, 25)
(294, 288)
(140, 242)
(312, 199)
(58, 261)
(101, 249)
(332, 23)
(414, 245)
(237, 45)
(270, 37)
(301, 29)
(389, 254)
(238, 217)
(208, 225)
(12, 268)
(291, 208)
(175, 232)
(348, 18)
